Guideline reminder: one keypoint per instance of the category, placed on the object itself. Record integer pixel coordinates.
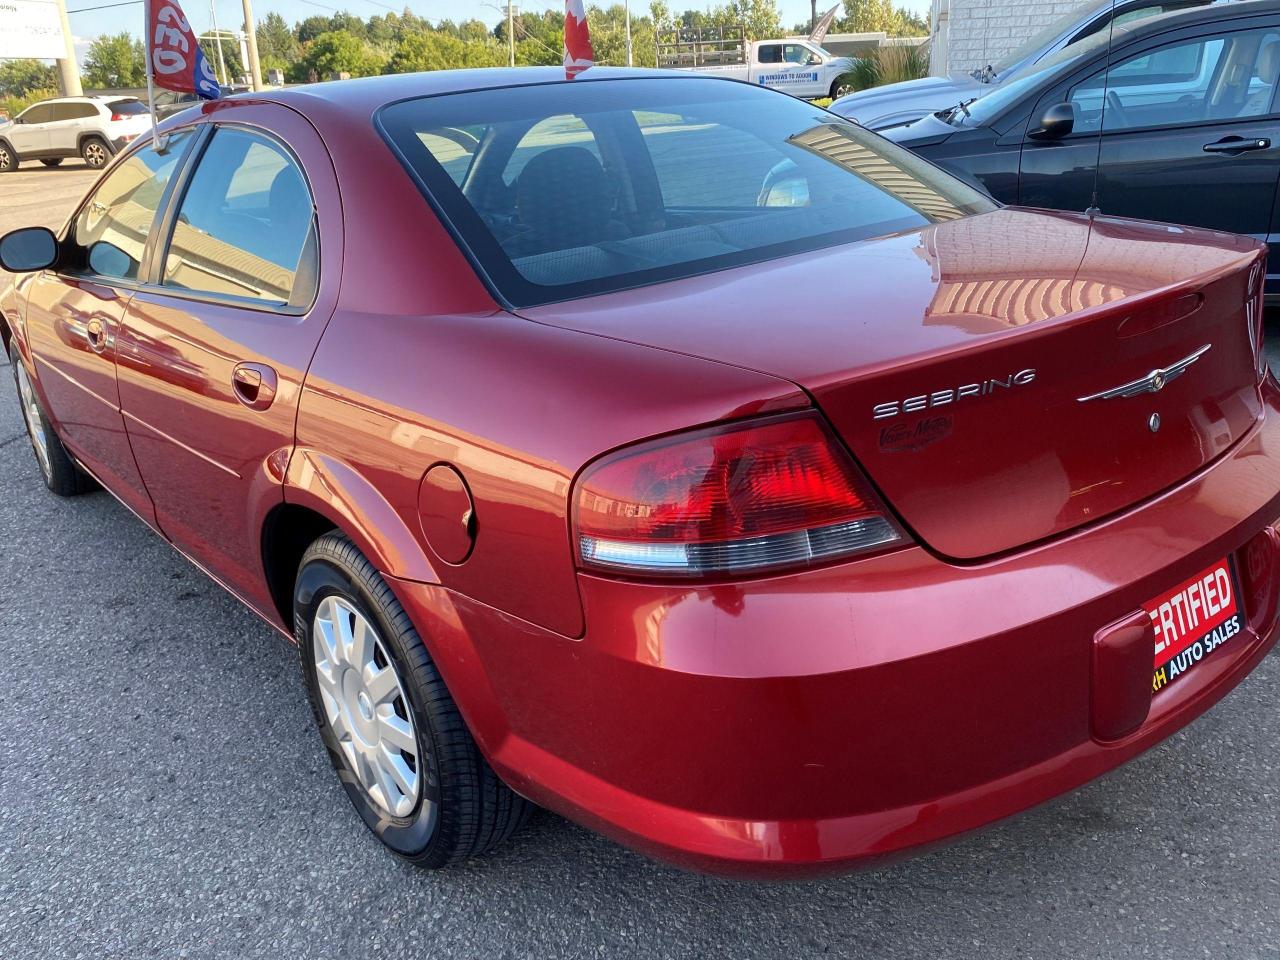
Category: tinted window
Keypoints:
(245, 227)
(697, 175)
(127, 108)
(770, 53)
(112, 227)
(40, 113)
(74, 111)
(1206, 79)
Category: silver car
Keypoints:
(896, 104)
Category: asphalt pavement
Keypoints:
(163, 794)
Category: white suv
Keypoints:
(93, 128)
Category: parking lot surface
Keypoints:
(163, 794)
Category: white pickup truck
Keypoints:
(798, 67)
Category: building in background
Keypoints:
(970, 34)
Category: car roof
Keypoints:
(1214, 11)
(369, 93)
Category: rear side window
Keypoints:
(587, 187)
(111, 229)
(127, 108)
(246, 225)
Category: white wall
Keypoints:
(979, 32)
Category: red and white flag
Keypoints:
(578, 54)
(174, 58)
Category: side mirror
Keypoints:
(28, 250)
(1058, 121)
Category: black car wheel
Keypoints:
(393, 733)
(95, 152)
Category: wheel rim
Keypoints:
(4, 158)
(95, 155)
(841, 90)
(35, 422)
(365, 706)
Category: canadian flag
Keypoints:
(174, 58)
(578, 54)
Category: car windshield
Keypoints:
(568, 189)
(1048, 34)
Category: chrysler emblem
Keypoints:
(1153, 382)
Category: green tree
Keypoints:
(311, 28)
(277, 45)
(337, 52)
(115, 61)
(440, 51)
(869, 16)
(19, 77)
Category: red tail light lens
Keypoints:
(746, 497)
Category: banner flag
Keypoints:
(578, 55)
(823, 26)
(174, 58)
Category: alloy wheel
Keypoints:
(35, 422)
(6, 158)
(365, 705)
(95, 154)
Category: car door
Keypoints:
(1189, 133)
(74, 315)
(214, 349)
(29, 134)
(64, 126)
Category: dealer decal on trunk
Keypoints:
(1193, 620)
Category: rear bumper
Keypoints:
(840, 717)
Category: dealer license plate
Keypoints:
(1192, 620)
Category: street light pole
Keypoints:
(511, 37)
(217, 39)
(251, 29)
(630, 59)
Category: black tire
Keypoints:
(95, 152)
(60, 473)
(52, 161)
(841, 87)
(472, 811)
(8, 158)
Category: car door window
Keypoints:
(111, 230)
(1211, 78)
(246, 224)
(795, 53)
(770, 53)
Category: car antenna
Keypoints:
(1093, 209)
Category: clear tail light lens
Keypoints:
(746, 497)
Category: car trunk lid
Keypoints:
(955, 361)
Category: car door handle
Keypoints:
(1235, 144)
(254, 385)
(95, 332)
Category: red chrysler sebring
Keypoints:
(667, 452)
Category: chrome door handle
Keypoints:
(1237, 145)
(95, 331)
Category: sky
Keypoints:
(87, 23)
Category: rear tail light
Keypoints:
(118, 116)
(751, 497)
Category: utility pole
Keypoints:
(68, 67)
(251, 29)
(217, 39)
(630, 59)
(813, 15)
(511, 36)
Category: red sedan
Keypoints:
(667, 452)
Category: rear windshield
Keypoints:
(568, 189)
(127, 108)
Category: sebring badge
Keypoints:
(938, 398)
(1153, 382)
